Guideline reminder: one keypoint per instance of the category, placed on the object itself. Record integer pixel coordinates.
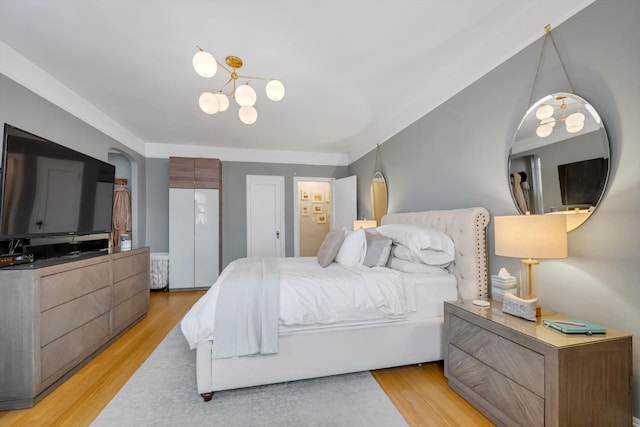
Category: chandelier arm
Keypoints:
(561, 63)
(225, 85)
(254, 78)
(535, 80)
(220, 64)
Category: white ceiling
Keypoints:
(355, 72)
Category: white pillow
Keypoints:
(415, 267)
(429, 244)
(353, 249)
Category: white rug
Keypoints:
(163, 393)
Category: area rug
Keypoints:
(163, 393)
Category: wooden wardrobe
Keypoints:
(195, 232)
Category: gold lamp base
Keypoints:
(528, 287)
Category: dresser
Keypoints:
(521, 373)
(57, 314)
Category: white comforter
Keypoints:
(310, 294)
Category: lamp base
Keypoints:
(528, 283)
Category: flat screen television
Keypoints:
(582, 183)
(51, 190)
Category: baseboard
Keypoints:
(636, 422)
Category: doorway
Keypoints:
(321, 205)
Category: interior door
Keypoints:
(345, 204)
(206, 219)
(265, 216)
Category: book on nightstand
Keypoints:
(575, 326)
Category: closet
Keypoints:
(194, 222)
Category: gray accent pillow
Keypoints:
(378, 250)
(330, 247)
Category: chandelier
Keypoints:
(212, 102)
(574, 122)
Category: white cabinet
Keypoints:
(193, 237)
(194, 222)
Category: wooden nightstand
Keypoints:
(521, 373)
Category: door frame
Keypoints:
(251, 179)
(296, 207)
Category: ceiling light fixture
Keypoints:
(574, 122)
(212, 102)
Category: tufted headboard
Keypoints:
(467, 228)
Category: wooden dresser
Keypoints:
(521, 373)
(55, 315)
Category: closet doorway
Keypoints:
(321, 205)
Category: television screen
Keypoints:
(52, 190)
(582, 183)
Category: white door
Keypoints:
(206, 226)
(345, 204)
(181, 238)
(265, 216)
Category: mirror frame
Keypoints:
(531, 146)
(384, 202)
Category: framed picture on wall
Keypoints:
(318, 209)
(304, 195)
(322, 219)
(305, 211)
(318, 197)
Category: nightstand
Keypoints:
(521, 373)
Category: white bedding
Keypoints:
(311, 296)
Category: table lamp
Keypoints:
(528, 237)
(364, 223)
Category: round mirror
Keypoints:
(378, 196)
(559, 159)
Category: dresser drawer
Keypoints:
(64, 318)
(522, 365)
(57, 356)
(127, 288)
(130, 266)
(129, 310)
(522, 406)
(59, 288)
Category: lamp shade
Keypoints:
(531, 236)
(364, 223)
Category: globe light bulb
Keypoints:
(223, 100)
(209, 103)
(544, 131)
(575, 119)
(245, 96)
(248, 115)
(544, 112)
(205, 64)
(575, 128)
(275, 90)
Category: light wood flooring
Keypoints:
(420, 393)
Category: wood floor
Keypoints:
(421, 393)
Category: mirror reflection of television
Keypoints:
(52, 190)
(582, 183)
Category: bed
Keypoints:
(312, 349)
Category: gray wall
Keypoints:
(24, 109)
(456, 155)
(234, 202)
